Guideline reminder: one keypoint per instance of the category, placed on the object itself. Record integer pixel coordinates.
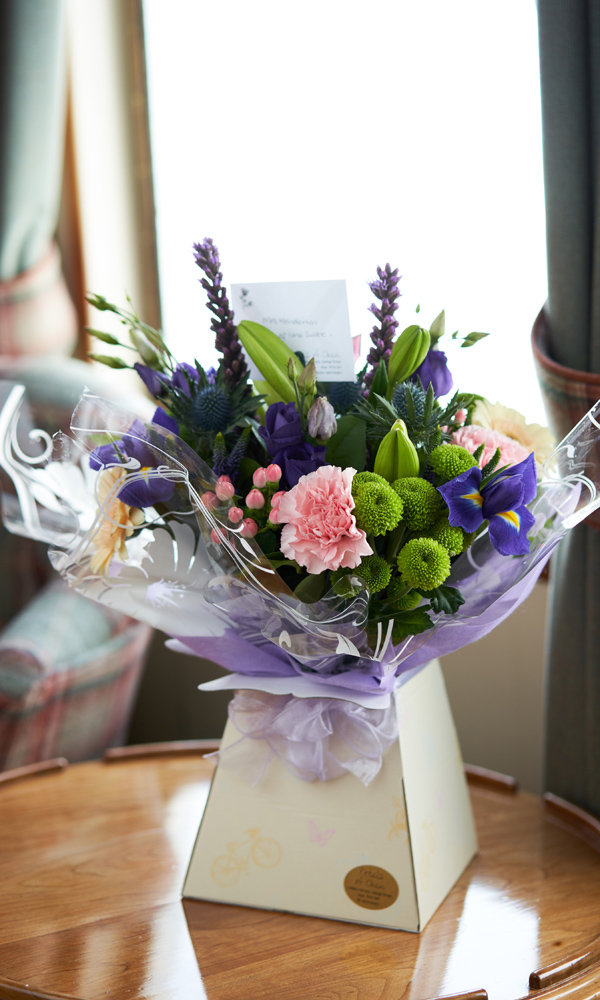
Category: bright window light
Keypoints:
(319, 140)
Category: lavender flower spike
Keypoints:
(206, 256)
(385, 289)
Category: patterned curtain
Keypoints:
(566, 341)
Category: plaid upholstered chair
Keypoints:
(69, 668)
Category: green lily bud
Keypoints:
(407, 354)
(396, 456)
(271, 357)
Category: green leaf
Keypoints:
(472, 338)
(411, 623)
(268, 541)
(311, 588)
(277, 563)
(446, 599)
(380, 380)
(348, 447)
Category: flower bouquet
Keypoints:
(324, 542)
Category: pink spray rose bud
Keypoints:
(235, 514)
(259, 478)
(216, 536)
(321, 419)
(273, 473)
(276, 498)
(209, 499)
(249, 528)
(255, 500)
(274, 517)
(224, 488)
(461, 416)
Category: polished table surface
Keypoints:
(93, 857)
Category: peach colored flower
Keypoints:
(320, 530)
(505, 420)
(472, 436)
(118, 523)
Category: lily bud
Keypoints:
(407, 354)
(396, 456)
(321, 419)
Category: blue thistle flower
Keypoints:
(399, 401)
(343, 395)
(211, 408)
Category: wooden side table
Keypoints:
(93, 857)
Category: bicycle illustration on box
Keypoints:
(262, 851)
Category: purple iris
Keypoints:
(501, 501)
(149, 488)
(282, 428)
(435, 369)
(299, 460)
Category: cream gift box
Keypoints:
(386, 855)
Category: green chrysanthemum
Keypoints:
(421, 501)
(377, 508)
(407, 599)
(424, 563)
(449, 460)
(376, 572)
(361, 478)
(453, 539)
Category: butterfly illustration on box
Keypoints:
(317, 836)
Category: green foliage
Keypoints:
(311, 588)
(444, 599)
(348, 447)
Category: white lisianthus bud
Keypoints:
(321, 419)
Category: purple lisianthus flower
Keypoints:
(501, 501)
(282, 428)
(299, 460)
(155, 382)
(143, 487)
(435, 369)
(183, 377)
(164, 420)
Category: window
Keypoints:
(318, 140)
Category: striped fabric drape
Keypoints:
(566, 341)
(36, 312)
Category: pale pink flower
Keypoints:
(540, 440)
(320, 529)
(472, 436)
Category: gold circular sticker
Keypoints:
(371, 887)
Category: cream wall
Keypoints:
(496, 689)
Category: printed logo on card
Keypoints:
(371, 887)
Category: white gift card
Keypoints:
(309, 316)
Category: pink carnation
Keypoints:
(472, 436)
(320, 530)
